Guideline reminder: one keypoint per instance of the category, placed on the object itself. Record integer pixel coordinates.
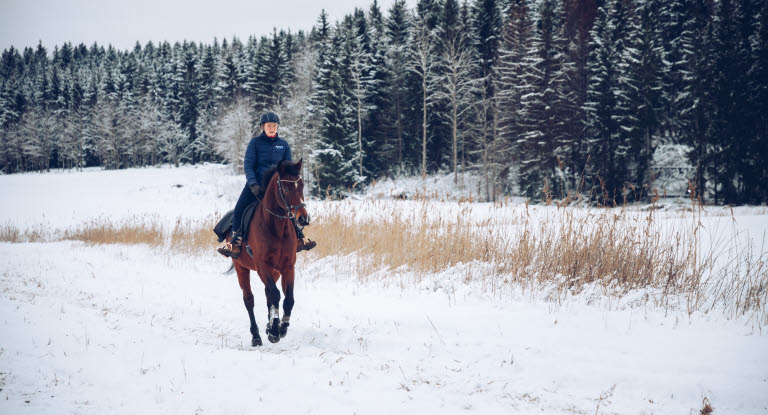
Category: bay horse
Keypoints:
(271, 247)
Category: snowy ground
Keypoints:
(125, 329)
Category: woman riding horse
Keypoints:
(263, 152)
(272, 235)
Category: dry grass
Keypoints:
(36, 233)
(137, 230)
(192, 236)
(10, 233)
(563, 249)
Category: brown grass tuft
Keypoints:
(136, 230)
(191, 236)
(10, 233)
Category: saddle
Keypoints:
(225, 223)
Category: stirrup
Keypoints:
(229, 250)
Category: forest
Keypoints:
(541, 99)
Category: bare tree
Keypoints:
(296, 127)
(458, 85)
(360, 93)
(234, 132)
(423, 63)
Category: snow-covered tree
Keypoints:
(422, 62)
(458, 86)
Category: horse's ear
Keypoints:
(281, 167)
(298, 165)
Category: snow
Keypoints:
(127, 329)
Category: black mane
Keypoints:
(291, 169)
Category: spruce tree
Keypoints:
(397, 29)
(649, 102)
(336, 146)
(376, 127)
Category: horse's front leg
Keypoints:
(273, 304)
(244, 278)
(287, 303)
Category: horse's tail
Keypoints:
(230, 270)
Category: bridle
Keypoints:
(285, 206)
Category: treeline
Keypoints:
(538, 98)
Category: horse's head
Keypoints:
(290, 188)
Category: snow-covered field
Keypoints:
(130, 329)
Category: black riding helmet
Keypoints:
(269, 117)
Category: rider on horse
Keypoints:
(264, 151)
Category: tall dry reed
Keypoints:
(561, 247)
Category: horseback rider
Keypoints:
(264, 151)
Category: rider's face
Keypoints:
(270, 128)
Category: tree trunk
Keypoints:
(399, 131)
(424, 128)
(360, 133)
(455, 146)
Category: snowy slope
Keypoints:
(127, 329)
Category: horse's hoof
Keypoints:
(256, 341)
(283, 329)
(273, 332)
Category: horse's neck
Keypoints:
(270, 198)
(270, 204)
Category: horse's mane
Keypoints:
(291, 169)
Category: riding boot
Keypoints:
(232, 248)
(305, 246)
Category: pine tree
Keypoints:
(376, 127)
(486, 20)
(546, 105)
(728, 130)
(336, 147)
(647, 71)
(758, 73)
(397, 28)
(579, 19)
(512, 69)
(610, 122)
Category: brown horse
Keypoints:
(271, 247)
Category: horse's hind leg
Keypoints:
(287, 303)
(244, 278)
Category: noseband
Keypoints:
(290, 208)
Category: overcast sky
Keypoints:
(123, 22)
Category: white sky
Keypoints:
(123, 22)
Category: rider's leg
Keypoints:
(233, 248)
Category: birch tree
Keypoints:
(422, 62)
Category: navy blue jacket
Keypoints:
(262, 153)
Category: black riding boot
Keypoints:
(305, 246)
